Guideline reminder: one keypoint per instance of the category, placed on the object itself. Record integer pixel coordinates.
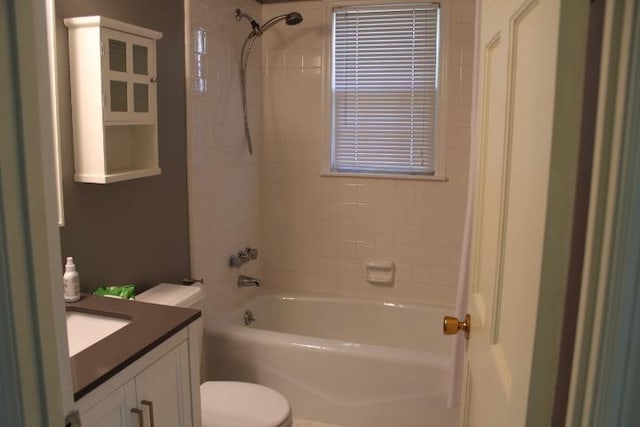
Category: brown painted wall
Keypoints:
(132, 231)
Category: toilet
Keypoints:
(225, 403)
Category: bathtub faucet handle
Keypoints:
(235, 262)
(252, 252)
(244, 256)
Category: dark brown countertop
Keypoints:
(150, 325)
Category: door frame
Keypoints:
(581, 210)
(607, 344)
(558, 250)
(32, 325)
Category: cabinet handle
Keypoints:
(150, 405)
(140, 416)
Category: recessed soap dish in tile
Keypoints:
(381, 272)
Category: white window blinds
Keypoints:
(385, 87)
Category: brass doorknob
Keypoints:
(451, 325)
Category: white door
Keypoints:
(113, 410)
(163, 390)
(517, 66)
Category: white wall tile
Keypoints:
(336, 224)
(224, 181)
(315, 232)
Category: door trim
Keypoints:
(606, 340)
(581, 210)
(561, 199)
(31, 267)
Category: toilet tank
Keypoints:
(178, 296)
(174, 295)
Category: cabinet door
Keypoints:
(129, 69)
(163, 390)
(112, 411)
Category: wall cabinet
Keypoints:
(113, 99)
(161, 390)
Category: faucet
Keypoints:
(246, 281)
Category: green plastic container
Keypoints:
(116, 291)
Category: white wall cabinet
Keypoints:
(159, 390)
(113, 99)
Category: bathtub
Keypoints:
(342, 361)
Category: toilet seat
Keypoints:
(238, 404)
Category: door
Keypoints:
(129, 69)
(164, 390)
(35, 378)
(114, 410)
(516, 95)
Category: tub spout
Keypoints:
(246, 281)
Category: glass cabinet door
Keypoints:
(142, 81)
(129, 80)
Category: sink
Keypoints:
(85, 329)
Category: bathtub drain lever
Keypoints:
(248, 318)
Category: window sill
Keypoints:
(441, 178)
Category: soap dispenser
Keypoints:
(71, 281)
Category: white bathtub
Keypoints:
(341, 361)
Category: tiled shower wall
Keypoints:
(318, 232)
(224, 181)
(315, 232)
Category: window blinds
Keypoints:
(385, 86)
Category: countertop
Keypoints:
(150, 325)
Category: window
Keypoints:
(384, 83)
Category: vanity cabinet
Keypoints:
(113, 99)
(161, 389)
(113, 410)
(166, 385)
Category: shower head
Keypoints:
(292, 18)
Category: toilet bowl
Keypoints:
(225, 403)
(228, 403)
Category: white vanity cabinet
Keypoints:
(113, 410)
(161, 389)
(113, 99)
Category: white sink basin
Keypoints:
(85, 329)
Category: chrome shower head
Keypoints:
(293, 18)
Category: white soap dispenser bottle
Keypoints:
(71, 281)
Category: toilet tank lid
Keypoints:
(175, 295)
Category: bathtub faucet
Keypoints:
(246, 281)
